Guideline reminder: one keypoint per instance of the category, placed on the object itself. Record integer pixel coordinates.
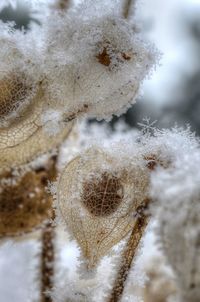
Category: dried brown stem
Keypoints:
(48, 250)
(47, 262)
(128, 4)
(129, 254)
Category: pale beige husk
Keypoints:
(96, 234)
(26, 138)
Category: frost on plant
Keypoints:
(97, 60)
(22, 135)
(97, 199)
(177, 190)
(89, 61)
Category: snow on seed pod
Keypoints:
(97, 197)
(24, 203)
(18, 82)
(26, 138)
(100, 71)
(23, 134)
(176, 190)
(14, 90)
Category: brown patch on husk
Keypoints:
(25, 204)
(105, 59)
(102, 196)
(13, 91)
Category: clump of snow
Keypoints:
(96, 61)
(176, 189)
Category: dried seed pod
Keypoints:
(105, 60)
(97, 198)
(23, 101)
(26, 138)
(24, 203)
(15, 93)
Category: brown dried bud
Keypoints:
(153, 161)
(105, 58)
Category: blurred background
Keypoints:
(171, 96)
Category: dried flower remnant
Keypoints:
(105, 58)
(97, 198)
(155, 160)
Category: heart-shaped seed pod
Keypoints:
(25, 204)
(97, 197)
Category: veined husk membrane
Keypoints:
(97, 198)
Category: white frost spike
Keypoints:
(100, 71)
(97, 197)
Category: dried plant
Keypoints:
(89, 61)
(97, 199)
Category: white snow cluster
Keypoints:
(177, 190)
(95, 60)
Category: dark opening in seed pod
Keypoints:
(102, 196)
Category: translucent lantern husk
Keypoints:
(98, 224)
(25, 204)
(25, 139)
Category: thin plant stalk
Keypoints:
(129, 254)
(48, 249)
(128, 4)
(63, 5)
(47, 261)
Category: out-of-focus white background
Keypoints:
(172, 95)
